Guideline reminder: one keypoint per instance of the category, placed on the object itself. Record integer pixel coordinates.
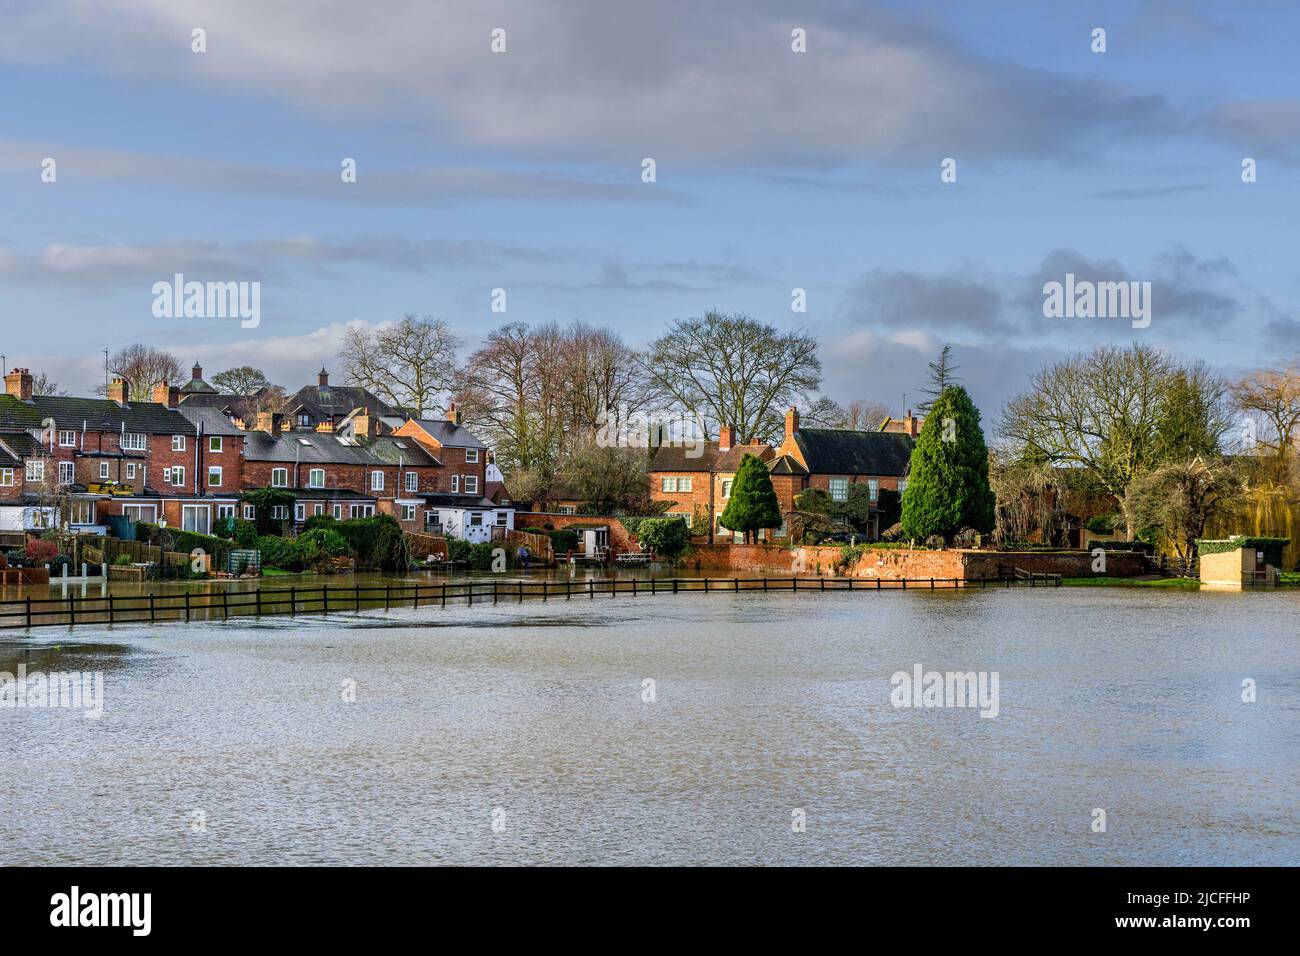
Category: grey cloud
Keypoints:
(1260, 127)
(965, 300)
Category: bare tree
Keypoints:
(143, 367)
(603, 377)
(1178, 500)
(1273, 395)
(734, 369)
(42, 384)
(409, 364)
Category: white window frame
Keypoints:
(34, 470)
(7, 477)
(134, 441)
(284, 480)
(67, 438)
(318, 508)
(214, 443)
(475, 519)
(502, 519)
(300, 511)
(103, 471)
(376, 480)
(130, 469)
(455, 484)
(408, 512)
(67, 472)
(214, 470)
(873, 489)
(178, 443)
(178, 475)
(726, 487)
(311, 478)
(338, 511)
(471, 484)
(225, 511)
(412, 481)
(250, 512)
(668, 485)
(838, 484)
(685, 484)
(471, 456)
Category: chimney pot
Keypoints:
(118, 390)
(791, 422)
(18, 383)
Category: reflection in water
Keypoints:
(764, 704)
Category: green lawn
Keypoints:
(1177, 584)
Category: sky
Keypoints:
(774, 170)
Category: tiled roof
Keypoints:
(459, 501)
(212, 418)
(99, 414)
(392, 450)
(16, 446)
(832, 451)
(729, 460)
(678, 458)
(454, 436)
(786, 465)
(306, 448)
(335, 401)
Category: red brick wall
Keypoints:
(619, 537)
(683, 501)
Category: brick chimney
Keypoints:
(268, 422)
(363, 425)
(322, 378)
(18, 383)
(118, 389)
(453, 414)
(911, 425)
(196, 372)
(791, 422)
(164, 394)
(726, 437)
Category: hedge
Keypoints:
(1270, 546)
(183, 541)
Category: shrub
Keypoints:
(665, 537)
(282, 553)
(480, 556)
(40, 552)
(174, 539)
(377, 542)
(320, 521)
(563, 541)
(264, 500)
(457, 550)
(245, 533)
(58, 563)
(122, 560)
(1101, 524)
(319, 546)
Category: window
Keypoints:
(338, 511)
(902, 485)
(249, 512)
(684, 484)
(279, 512)
(214, 443)
(300, 512)
(103, 471)
(81, 512)
(133, 441)
(318, 508)
(304, 420)
(178, 443)
(475, 518)
(316, 478)
(567, 509)
(376, 481)
(502, 519)
(225, 511)
(196, 518)
(214, 476)
(455, 484)
(35, 470)
(7, 477)
(178, 475)
(726, 487)
(130, 469)
(839, 488)
(412, 481)
(279, 477)
(67, 472)
(471, 484)
(668, 484)
(138, 513)
(67, 439)
(471, 456)
(360, 511)
(873, 487)
(408, 512)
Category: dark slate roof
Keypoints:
(212, 418)
(729, 460)
(198, 386)
(305, 447)
(392, 450)
(786, 465)
(22, 445)
(335, 401)
(833, 451)
(674, 458)
(100, 414)
(454, 436)
(459, 501)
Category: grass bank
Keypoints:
(1176, 584)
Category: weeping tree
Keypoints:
(948, 488)
(1175, 503)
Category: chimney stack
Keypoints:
(18, 383)
(325, 427)
(323, 378)
(911, 425)
(791, 422)
(118, 390)
(453, 414)
(268, 422)
(164, 394)
(726, 437)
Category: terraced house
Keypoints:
(84, 460)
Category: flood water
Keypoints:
(231, 743)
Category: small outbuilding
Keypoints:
(1240, 562)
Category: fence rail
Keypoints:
(221, 605)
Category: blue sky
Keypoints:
(775, 170)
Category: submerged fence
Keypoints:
(221, 605)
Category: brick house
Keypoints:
(326, 404)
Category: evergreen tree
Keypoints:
(753, 503)
(941, 376)
(948, 486)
